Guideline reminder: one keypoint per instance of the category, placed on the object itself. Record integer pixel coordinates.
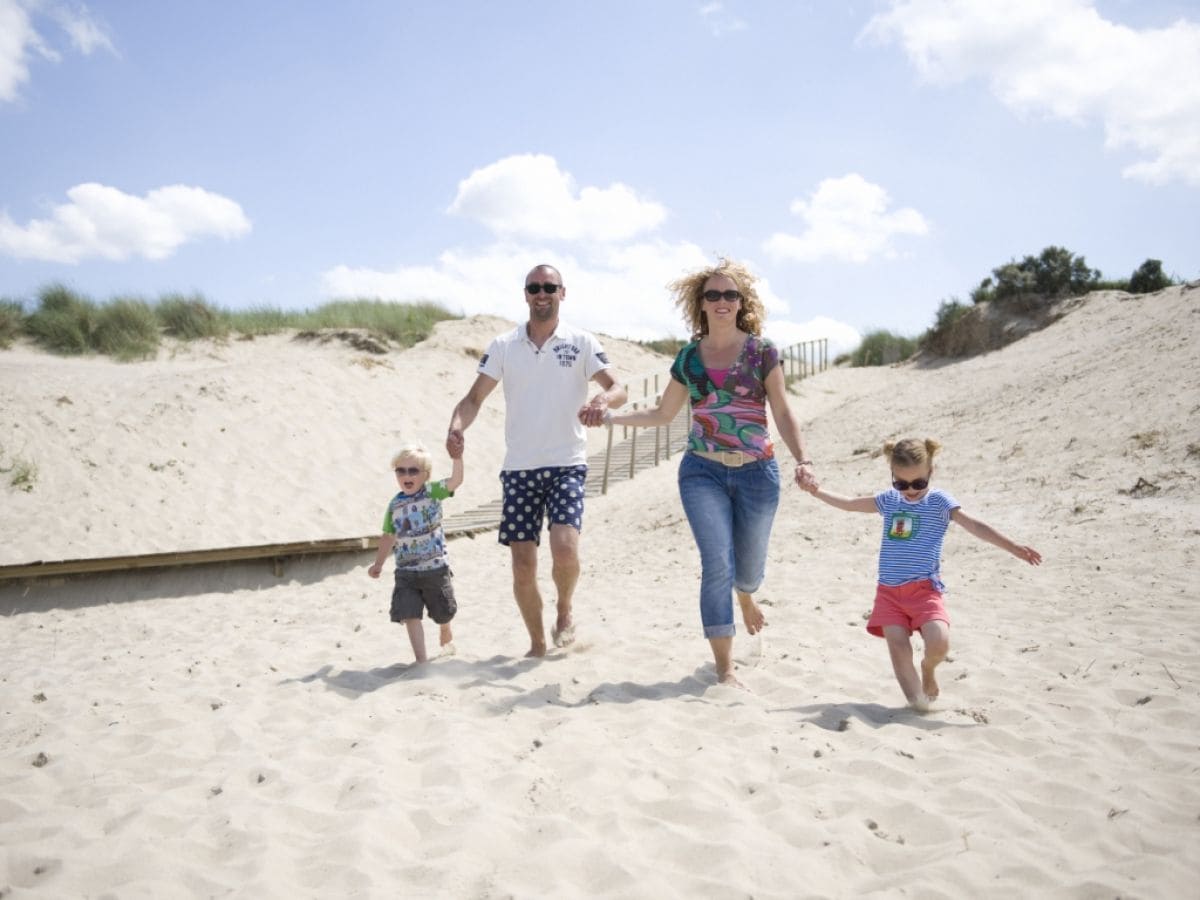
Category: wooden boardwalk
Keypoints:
(629, 451)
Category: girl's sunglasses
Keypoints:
(549, 288)
(917, 484)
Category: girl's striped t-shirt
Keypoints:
(911, 549)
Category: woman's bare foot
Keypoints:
(752, 614)
(730, 679)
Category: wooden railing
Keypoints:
(620, 460)
(798, 360)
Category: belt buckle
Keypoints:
(732, 459)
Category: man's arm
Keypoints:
(465, 412)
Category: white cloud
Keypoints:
(529, 197)
(842, 338)
(86, 34)
(1062, 59)
(719, 21)
(19, 39)
(847, 220)
(103, 222)
(614, 287)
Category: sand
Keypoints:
(223, 731)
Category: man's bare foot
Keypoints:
(752, 614)
(928, 682)
(537, 650)
(563, 632)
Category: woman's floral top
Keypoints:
(731, 415)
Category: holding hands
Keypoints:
(593, 413)
(805, 477)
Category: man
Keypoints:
(545, 365)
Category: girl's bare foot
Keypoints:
(928, 682)
(752, 614)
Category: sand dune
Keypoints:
(224, 732)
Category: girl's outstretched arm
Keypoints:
(849, 504)
(986, 532)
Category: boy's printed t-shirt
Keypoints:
(912, 536)
(416, 522)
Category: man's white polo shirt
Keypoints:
(543, 392)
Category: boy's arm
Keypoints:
(386, 543)
(986, 532)
(456, 474)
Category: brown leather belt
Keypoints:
(733, 459)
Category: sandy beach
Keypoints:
(225, 731)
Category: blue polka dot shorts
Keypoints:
(554, 492)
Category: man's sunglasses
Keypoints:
(714, 296)
(535, 288)
(410, 471)
(917, 484)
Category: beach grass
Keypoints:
(130, 328)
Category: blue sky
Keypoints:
(868, 160)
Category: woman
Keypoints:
(728, 479)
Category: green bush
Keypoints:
(1148, 278)
(126, 329)
(12, 322)
(190, 318)
(1056, 272)
(941, 339)
(882, 348)
(63, 322)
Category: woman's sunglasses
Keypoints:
(535, 288)
(714, 296)
(917, 484)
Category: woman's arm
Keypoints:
(669, 404)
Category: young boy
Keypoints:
(412, 528)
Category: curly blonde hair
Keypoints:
(689, 297)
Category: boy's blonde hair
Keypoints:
(911, 452)
(417, 452)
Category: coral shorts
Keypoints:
(907, 605)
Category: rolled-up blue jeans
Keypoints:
(731, 511)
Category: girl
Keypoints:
(909, 595)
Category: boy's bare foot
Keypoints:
(928, 682)
(446, 636)
(752, 615)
